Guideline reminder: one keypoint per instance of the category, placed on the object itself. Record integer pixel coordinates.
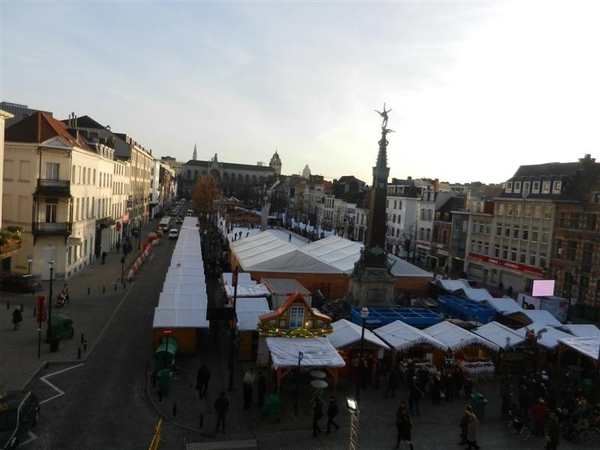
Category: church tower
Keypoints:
(195, 155)
(275, 163)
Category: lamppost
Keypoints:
(364, 313)
(49, 331)
(123, 270)
(300, 356)
(353, 410)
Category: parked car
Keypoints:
(21, 283)
(19, 412)
(173, 233)
(179, 220)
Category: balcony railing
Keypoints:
(54, 228)
(53, 188)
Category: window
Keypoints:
(509, 187)
(556, 187)
(507, 232)
(545, 236)
(532, 257)
(516, 232)
(51, 209)
(537, 212)
(590, 222)
(513, 254)
(509, 210)
(571, 251)
(517, 187)
(525, 233)
(527, 210)
(296, 316)
(500, 209)
(546, 187)
(534, 234)
(548, 212)
(499, 230)
(542, 260)
(587, 255)
(562, 219)
(522, 256)
(526, 186)
(504, 252)
(536, 187)
(518, 210)
(52, 171)
(497, 251)
(574, 222)
(597, 201)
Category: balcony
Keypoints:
(9, 248)
(53, 189)
(51, 229)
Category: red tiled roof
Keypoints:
(38, 128)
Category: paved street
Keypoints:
(97, 296)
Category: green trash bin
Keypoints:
(272, 408)
(478, 402)
(164, 354)
(164, 377)
(62, 326)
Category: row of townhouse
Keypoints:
(76, 189)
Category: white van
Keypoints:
(173, 233)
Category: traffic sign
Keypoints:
(29, 258)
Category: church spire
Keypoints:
(195, 155)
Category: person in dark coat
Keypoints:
(317, 414)
(414, 397)
(261, 386)
(104, 254)
(472, 432)
(332, 411)
(17, 318)
(392, 383)
(436, 388)
(552, 432)
(247, 389)
(403, 425)
(221, 408)
(202, 378)
(464, 425)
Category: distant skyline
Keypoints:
(476, 88)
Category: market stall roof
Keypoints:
(180, 318)
(588, 346)
(317, 352)
(347, 333)
(477, 294)
(256, 290)
(378, 317)
(539, 316)
(267, 252)
(549, 338)
(456, 337)
(499, 334)
(451, 285)
(248, 310)
(504, 305)
(581, 330)
(197, 299)
(244, 279)
(457, 307)
(342, 254)
(401, 336)
(184, 288)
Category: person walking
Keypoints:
(221, 408)
(104, 254)
(202, 378)
(414, 397)
(540, 414)
(392, 383)
(332, 411)
(202, 410)
(403, 425)
(247, 389)
(317, 414)
(472, 431)
(261, 385)
(464, 425)
(65, 292)
(552, 432)
(17, 318)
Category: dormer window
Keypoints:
(536, 187)
(296, 316)
(546, 187)
(509, 187)
(556, 187)
(526, 186)
(517, 187)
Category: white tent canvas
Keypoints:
(474, 294)
(456, 337)
(541, 316)
(499, 334)
(256, 290)
(180, 318)
(504, 305)
(317, 352)
(549, 338)
(248, 310)
(244, 278)
(173, 300)
(588, 346)
(582, 330)
(452, 285)
(180, 288)
(402, 336)
(347, 333)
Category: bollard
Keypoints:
(84, 346)
(159, 396)
(88, 290)
(79, 353)
(115, 287)
(22, 308)
(175, 409)
(153, 380)
(104, 289)
(34, 312)
(7, 304)
(82, 338)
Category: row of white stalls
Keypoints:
(182, 305)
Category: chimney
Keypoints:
(436, 185)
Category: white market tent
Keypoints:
(243, 291)
(172, 300)
(347, 333)
(402, 336)
(452, 285)
(588, 346)
(499, 334)
(179, 318)
(244, 279)
(267, 252)
(456, 337)
(549, 338)
(248, 310)
(316, 352)
(541, 316)
(504, 305)
(475, 294)
(582, 330)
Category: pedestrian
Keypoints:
(403, 425)
(247, 389)
(202, 410)
(261, 385)
(468, 386)
(414, 397)
(317, 414)
(118, 246)
(290, 238)
(392, 383)
(472, 429)
(221, 408)
(436, 388)
(332, 411)
(509, 291)
(464, 425)
(540, 414)
(65, 292)
(552, 432)
(17, 318)
(202, 378)
(104, 256)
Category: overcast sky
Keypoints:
(476, 88)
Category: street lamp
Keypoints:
(300, 356)
(49, 331)
(364, 313)
(353, 410)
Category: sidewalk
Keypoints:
(95, 293)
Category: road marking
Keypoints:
(53, 386)
(32, 437)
